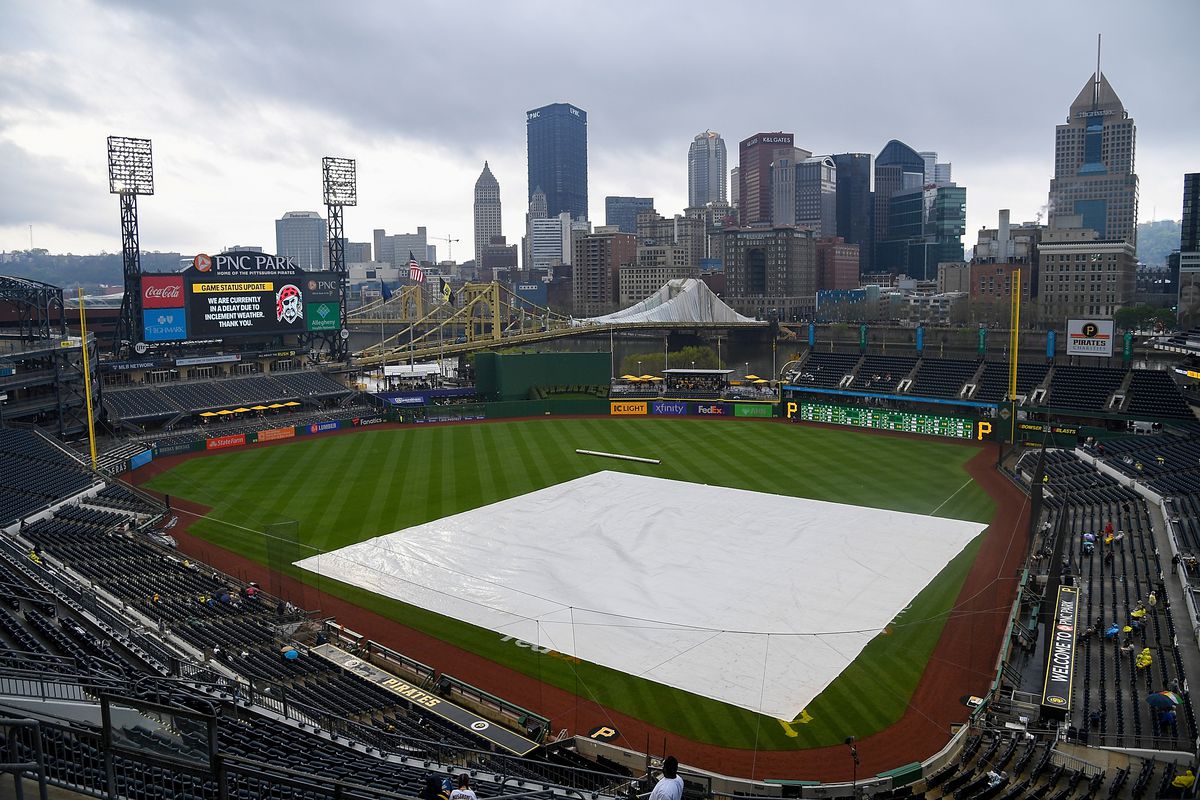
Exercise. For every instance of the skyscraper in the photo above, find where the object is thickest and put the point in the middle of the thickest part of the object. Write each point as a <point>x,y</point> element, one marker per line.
<point>301,235</point>
<point>1094,161</point>
<point>487,210</point>
<point>1187,261</point>
<point>855,206</point>
<point>623,211</point>
<point>755,156</point>
<point>816,195</point>
<point>898,168</point>
<point>557,141</point>
<point>707,169</point>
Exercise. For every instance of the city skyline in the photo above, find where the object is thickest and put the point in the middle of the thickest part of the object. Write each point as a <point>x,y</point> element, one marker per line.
<point>244,133</point>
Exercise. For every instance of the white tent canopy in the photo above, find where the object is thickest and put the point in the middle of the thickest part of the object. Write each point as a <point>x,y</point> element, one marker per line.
<point>679,300</point>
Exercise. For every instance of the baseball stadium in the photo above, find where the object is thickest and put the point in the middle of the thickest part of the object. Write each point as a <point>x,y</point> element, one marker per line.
<point>352,550</point>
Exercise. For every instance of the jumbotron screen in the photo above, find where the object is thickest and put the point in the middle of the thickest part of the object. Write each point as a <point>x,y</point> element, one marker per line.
<point>238,294</point>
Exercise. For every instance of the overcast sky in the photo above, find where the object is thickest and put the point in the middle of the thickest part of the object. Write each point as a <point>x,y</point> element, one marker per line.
<point>243,99</point>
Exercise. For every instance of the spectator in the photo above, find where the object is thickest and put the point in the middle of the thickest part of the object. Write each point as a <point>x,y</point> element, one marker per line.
<point>670,785</point>
<point>35,555</point>
<point>1152,600</point>
<point>463,792</point>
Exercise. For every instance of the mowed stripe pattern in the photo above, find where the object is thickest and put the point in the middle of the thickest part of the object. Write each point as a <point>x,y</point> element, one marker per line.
<point>344,489</point>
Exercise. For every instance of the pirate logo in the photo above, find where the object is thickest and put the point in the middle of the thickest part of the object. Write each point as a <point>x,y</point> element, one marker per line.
<point>288,304</point>
<point>1091,330</point>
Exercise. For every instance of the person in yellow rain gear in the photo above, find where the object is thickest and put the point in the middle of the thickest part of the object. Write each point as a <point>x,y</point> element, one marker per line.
<point>1108,539</point>
<point>1143,659</point>
<point>1184,781</point>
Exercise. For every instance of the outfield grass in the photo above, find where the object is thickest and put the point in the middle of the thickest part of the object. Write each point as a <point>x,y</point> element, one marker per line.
<point>344,489</point>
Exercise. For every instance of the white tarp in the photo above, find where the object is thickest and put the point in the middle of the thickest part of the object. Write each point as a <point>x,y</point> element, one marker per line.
<point>675,582</point>
<point>679,300</point>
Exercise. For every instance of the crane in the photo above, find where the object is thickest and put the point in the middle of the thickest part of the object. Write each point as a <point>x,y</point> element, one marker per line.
<point>449,245</point>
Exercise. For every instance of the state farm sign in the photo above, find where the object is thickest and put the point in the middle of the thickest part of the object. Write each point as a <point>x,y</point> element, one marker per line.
<point>162,291</point>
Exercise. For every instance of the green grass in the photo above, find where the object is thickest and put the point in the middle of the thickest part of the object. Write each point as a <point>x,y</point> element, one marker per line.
<point>345,489</point>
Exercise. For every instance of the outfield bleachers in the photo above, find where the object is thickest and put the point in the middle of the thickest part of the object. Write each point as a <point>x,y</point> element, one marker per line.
<point>825,370</point>
<point>147,403</point>
<point>993,383</point>
<point>942,377</point>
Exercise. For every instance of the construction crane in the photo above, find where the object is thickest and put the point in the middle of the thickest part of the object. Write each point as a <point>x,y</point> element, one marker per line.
<point>449,245</point>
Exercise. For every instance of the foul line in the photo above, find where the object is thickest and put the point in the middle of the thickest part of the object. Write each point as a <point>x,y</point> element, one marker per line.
<point>951,497</point>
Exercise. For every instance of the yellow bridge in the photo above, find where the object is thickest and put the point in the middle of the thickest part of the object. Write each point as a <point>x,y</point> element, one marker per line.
<point>480,316</point>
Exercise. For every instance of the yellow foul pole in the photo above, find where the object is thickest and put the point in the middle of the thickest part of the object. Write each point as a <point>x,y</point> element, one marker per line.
<point>1014,342</point>
<point>87,379</point>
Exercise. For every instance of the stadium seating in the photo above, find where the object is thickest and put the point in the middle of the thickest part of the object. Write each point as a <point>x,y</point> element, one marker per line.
<point>146,403</point>
<point>34,473</point>
<point>880,373</point>
<point>1083,388</point>
<point>942,377</point>
<point>825,370</point>
<point>1154,394</point>
<point>993,383</point>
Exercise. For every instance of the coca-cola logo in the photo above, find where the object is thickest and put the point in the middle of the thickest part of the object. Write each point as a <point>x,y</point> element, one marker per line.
<point>162,291</point>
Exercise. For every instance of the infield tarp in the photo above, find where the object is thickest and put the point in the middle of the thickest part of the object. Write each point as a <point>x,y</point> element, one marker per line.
<point>674,582</point>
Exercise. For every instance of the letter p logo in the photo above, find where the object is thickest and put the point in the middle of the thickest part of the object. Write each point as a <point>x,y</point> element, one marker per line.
<point>791,410</point>
<point>985,428</point>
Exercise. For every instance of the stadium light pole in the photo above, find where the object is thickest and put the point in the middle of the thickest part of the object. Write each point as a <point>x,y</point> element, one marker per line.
<point>340,182</point>
<point>130,173</point>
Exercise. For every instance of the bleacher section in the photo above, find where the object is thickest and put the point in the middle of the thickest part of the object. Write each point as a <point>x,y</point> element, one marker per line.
<point>1110,707</point>
<point>264,423</point>
<point>825,370</point>
<point>1154,394</point>
<point>33,474</point>
<point>169,400</point>
<point>993,384</point>
<point>1084,388</point>
<point>882,373</point>
<point>942,377</point>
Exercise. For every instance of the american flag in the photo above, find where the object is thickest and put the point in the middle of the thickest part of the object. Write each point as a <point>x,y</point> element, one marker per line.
<point>415,272</point>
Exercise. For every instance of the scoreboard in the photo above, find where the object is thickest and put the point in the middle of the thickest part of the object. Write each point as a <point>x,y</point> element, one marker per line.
<point>888,420</point>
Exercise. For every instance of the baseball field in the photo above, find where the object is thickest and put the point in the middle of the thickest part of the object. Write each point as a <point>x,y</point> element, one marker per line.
<point>333,491</point>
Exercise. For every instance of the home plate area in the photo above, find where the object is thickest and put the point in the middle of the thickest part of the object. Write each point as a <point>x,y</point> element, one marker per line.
<point>752,599</point>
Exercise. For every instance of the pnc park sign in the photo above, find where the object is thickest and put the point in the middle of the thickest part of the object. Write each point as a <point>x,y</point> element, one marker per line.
<point>1060,651</point>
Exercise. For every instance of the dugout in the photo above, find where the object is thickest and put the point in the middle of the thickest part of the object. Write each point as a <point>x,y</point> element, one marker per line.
<point>511,376</point>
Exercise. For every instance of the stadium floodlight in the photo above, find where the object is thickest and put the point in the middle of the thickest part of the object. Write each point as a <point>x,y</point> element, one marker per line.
<point>130,166</point>
<point>341,187</point>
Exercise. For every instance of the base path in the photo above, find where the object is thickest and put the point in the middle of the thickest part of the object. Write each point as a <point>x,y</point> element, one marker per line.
<point>963,662</point>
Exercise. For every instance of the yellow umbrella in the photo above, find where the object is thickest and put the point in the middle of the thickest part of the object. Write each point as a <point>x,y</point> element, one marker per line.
<point>208,413</point>
<point>762,380</point>
<point>291,403</point>
<point>753,378</point>
<point>629,377</point>
<point>647,377</point>
<point>654,378</point>
<point>275,405</point>
<point>240,410</point>
<point>224,411</point>
<point>259,408</point>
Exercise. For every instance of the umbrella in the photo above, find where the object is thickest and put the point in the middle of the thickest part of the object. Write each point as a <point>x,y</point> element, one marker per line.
<point>1162,700</point>
<point>1172,696</point>
<point>258,408</point>
<point>240,410</point>
<point>208,413</point>
<point>275,405</point>
<point>224,411</point>
<point>760,381</point>
<point>752,378</point>
<point>629,377</point>
<point>1089,537</point>
<point>647,377</point>
<point>291,403</point>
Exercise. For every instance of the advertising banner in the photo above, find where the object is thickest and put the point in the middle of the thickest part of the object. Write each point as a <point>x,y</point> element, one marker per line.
<point>621,409</point>
<point>753,410</point>
<point>364,421</point>
<point>982,342</point>
<point>178,447</point>
<point>1060,650</point>
<point>221,442</point>
<point>162,291</point>
<point>141,459</point>
<point>321,316</point>
<point>1089,337</point>
<point>321,427</point>
<point>276,433</point>
<point>712,410</point>
<point>164,325</point>
<point>674,408</point>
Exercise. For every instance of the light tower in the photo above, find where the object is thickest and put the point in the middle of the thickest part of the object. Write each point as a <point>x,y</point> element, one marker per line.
<point>341,189</point>
<point>130,173</point>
